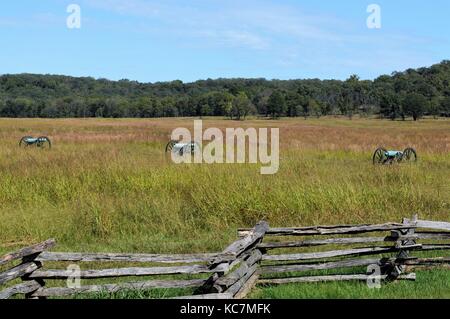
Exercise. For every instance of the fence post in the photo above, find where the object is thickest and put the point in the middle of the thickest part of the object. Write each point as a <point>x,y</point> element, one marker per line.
<point>28,265</point>
<point>26,277</point>
<point>404,254</point>
<point>243,253</point>
<point>41,282</point>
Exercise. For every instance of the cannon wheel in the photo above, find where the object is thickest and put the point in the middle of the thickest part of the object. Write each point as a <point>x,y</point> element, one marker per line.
<point>44,142</point>
<point>170,145</point>
<point>409,155</point>
<point>379,157</point>
<point>22,142</point>
<point>190,148</point>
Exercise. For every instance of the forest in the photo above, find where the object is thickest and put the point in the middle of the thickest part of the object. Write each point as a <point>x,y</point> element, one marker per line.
<point>413,93</point>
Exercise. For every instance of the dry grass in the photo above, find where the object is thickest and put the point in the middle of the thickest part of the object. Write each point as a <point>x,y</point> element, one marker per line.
<point>107,185</point>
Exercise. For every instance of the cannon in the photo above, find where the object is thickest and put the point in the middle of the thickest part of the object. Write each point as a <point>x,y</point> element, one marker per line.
<point>385,157</point>
<point>180,148</point>
<point>40,142</point>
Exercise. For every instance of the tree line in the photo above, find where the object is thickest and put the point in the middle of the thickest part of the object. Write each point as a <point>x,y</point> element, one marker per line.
<point>412,93</point>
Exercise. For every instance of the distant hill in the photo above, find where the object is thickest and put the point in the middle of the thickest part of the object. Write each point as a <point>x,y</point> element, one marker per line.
<point>414,92</point>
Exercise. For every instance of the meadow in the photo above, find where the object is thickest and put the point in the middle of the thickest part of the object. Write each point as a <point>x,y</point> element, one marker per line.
<point>107,185</point>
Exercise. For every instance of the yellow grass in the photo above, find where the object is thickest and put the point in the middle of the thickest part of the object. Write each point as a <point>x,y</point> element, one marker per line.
<point>107,185</point>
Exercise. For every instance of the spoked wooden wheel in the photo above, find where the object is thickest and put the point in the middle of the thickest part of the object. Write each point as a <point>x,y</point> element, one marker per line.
<point>188,149</point>
<point>44,143</point>
<point>380,157</point>
<point>409,155</point>
<point>23,141</point>
<point>170,146</point>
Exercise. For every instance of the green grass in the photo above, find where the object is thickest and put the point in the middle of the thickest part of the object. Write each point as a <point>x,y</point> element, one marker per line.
<point>428,285</point>
<point>198,208</point>
<point>107,185</point>
<point>138,294</point>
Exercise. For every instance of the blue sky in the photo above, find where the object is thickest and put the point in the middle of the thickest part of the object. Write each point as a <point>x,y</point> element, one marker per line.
<point>163,40</point>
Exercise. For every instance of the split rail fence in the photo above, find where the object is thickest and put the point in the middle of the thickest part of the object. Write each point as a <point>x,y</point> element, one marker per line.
<point>251,260</point>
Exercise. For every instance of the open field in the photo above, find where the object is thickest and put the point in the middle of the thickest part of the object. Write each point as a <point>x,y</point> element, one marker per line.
<point>107,185</point>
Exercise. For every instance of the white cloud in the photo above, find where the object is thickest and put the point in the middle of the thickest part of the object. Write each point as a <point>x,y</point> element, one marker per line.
<point>236,38</point>
<point>250,24</point>
<point>292,37</point>
<point>135,7</point>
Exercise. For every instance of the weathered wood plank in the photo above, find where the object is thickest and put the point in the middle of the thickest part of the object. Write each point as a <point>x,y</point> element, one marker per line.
<point>240,230</point>
<point>247,287</point>
<point>332,241</point>
<point>124,272</point>
<point>402,246</point>
<point>332,230</point>
<point>433,235</point>
<point>255,257</point>
<point>337,253</point>
<point>312,279</point>
<point>436,247</point>
<point>336,231</point>
<point>238,247</point>
<point>237,286</point>
<point>224,282</point>
<point>24,252</point>
<point>433,225</point>
<point>18,272</point>
<point>231,278</point>
<point>106,257</point>
<point>209,286</point>
<point>428,261</point>
<point>23,288</point>
<point>427,267</point>
<point>328,265</point>
<point>111,288</point>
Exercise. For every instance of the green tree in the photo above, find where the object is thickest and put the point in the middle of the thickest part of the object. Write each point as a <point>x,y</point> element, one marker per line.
<point>414,105</point>
<point>390,105</point>
<point>351,96</point>
<point>31,95</point>
<point>228,109</point>
<point>241,106</point>
<point>314,108</point>
<point>445,106</point>
<point>294,104</point>
<point>277,104</point>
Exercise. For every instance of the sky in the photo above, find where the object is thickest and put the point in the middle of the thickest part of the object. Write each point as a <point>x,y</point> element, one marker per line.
<point>165,40</point>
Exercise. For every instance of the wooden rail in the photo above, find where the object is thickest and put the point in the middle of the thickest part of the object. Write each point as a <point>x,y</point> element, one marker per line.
<point>253,259</point>
<point>142,258</point>
<point>28,264</point>
<point>332,230</point>
<point>28,251</point>
<point>110,288</point>
<point>403,236</point>
<point>358,277</point>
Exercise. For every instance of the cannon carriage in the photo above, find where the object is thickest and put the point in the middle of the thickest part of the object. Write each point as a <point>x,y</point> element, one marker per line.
<point>385,157</point>
<point>42,142</point>
<point>180,148</point>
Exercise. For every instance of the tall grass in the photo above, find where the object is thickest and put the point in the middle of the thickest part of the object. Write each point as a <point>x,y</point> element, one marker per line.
<point>107,185</point>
